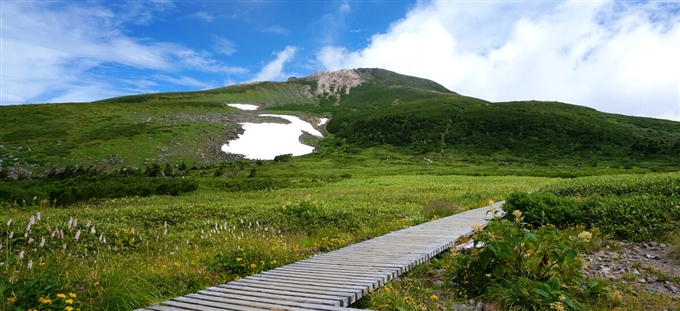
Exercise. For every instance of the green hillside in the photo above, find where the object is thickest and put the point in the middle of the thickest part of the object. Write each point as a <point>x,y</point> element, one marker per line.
<point>400,114</point>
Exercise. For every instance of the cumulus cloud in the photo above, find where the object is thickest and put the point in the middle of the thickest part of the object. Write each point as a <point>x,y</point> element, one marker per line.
<point>274,69</point>
<point>614,57</point>
<point>56,52</point>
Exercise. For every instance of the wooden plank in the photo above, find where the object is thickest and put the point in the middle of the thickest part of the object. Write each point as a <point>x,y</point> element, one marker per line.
<point>287,281</point>
<point>205,305</point>
<point>318,279</point>
<point>257,294</point>
<point>354,295</point>
<point>329,273</point>
<point>274,301</point>
<point>342,300</point>
<point>259,304</point>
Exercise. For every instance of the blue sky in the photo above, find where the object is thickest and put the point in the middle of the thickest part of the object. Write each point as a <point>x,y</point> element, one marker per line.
<point>619,57</point>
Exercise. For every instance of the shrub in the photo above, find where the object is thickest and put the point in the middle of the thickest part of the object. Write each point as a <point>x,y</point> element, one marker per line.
<point>524,269</point>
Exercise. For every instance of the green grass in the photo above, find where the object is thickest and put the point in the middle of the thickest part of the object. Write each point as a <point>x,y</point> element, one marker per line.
<point>269,228</point>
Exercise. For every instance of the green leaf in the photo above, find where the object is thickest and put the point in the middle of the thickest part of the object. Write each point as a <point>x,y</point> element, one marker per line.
<point>541,292</point>
<point>571,254</point>
<point>506,252</point>
<point>485,258</point>
<point>498,271</point>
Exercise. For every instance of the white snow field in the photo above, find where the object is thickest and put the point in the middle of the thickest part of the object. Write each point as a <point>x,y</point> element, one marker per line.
<point>267,140</point>
<point>244,106</point>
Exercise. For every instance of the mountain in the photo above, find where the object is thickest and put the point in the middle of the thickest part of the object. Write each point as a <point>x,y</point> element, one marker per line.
<point>369,108</point>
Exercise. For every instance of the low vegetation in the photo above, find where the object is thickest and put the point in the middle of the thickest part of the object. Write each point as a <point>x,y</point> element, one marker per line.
<point>523,261</point>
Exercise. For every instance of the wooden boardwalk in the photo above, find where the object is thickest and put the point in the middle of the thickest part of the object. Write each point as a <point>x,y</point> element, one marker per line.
<point>332,281</point>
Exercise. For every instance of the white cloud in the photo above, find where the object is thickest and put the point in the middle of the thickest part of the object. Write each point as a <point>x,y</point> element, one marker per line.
<point>614,57</point>
<point>345,8</point>
<point>50,52</point>
<point>203,16</point>
<point>277,30</point>
<point>274,69</point>
<point>224,46</point>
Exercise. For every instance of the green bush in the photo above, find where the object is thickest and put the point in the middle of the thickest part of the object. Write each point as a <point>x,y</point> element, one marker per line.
<point>546,208</point>
<point>524,269</point>
<point>636,208</point>
<point>62,192</point>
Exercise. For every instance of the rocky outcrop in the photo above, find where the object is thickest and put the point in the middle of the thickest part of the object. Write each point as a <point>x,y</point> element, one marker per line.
<point>333,83</point>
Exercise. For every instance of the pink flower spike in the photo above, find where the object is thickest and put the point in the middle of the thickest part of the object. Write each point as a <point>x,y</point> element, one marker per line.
<point>21,255</point>
<point>37,216</point>
<point>42,242</point>
<point>77,235</point>
<point>9,222</point>
<point>30,264</point>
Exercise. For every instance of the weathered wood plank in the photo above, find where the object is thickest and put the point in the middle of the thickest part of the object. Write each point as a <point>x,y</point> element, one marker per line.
<point>343,300</point>
<point>284,298</point>
<point>274,301</point>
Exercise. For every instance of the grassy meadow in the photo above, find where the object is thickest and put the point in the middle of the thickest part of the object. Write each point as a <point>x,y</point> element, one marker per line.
<point>118,254</point>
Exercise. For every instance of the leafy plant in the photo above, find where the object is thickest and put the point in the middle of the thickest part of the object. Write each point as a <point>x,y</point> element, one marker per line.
<point>524,269</point>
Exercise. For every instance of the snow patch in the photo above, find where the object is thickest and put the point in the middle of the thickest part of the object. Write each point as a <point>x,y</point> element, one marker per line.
<point>323,121</point>
<point>244,106</point>
<point>267,140</point>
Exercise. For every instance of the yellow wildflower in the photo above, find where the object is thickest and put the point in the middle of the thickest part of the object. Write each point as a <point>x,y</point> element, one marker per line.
<point>253,266</point>
<point>557,306</point>
<point>239,259</point>
<point>434,297</point>
<point>69,301</point>
<point>273,262</point>
<point>477,227</point>
<point>518,216</point>
<point>68,308</point>
<point>73,295</point>
<point>11,300</point>
<point>62,296</point>
<point>176,264</point>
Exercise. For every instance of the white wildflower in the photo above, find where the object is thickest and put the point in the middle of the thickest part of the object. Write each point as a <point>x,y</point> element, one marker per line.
<point>70,223</point>
<point>11,234</point>
<point>585,236</point>
<point>30,264</point>
<point>89,223</point>
<point>37,217</point>
<point>132,229</point>
<point>42,242</point>
<point>30,240</point>
<point>9,222</point>
<point>77,235</point>
<point>21,255</point>
<point>92,230</point>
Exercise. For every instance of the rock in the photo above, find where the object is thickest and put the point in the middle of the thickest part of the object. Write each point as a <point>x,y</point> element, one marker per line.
<point>652,289</point>
<point>642,280</point>
<point>479,306</point>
